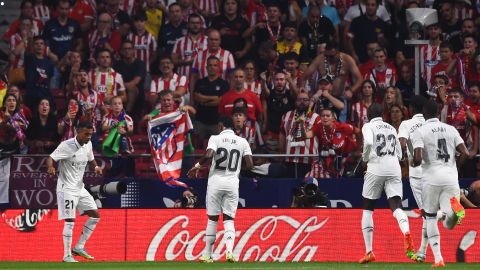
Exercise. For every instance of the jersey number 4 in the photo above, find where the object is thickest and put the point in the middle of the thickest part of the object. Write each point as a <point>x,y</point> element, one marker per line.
<point>442,152</point>
<point>233,159</point>
<point>386,145</point>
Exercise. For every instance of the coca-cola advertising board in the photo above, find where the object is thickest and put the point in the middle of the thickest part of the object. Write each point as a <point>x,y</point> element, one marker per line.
<point>261,235</point>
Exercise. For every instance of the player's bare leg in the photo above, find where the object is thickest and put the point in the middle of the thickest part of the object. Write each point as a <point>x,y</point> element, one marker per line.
<point>90,224</point>
<point>210,237</point>
<point>229,236</point>
<point>367,230</point>
<point>434,238</point>
<point>395,204</point>
<point>67,240</point>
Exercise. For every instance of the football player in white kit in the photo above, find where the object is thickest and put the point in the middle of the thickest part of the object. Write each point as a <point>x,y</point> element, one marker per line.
<point>405,131</point>
<point>381,152</point>
<point>227,151</point>
<point>435,144</point>
<point>72,156</point>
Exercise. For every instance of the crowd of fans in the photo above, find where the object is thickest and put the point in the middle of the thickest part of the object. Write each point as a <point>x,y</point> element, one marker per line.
<point>120,63</point>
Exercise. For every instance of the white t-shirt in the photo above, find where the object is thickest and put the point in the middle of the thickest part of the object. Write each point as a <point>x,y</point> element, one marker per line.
<point>405,130</point>
<point>227,161</point>
<point>354,12</point>
<point>381,148</point>
<point>72,159</point>
<point>439,142</point>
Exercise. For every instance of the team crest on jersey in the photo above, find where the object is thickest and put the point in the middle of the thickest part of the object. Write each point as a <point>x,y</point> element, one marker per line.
<point>70,29</point>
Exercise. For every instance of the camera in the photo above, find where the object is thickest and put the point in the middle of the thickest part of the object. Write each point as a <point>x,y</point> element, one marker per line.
<point>108,189</point>
<point>309,196</point>
<point>420,18</point>
<point>189,201</point>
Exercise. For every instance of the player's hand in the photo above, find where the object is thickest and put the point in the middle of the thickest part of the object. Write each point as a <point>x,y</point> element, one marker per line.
<point>98,170</point>
<point>193,172</point>
<point>51,171</point>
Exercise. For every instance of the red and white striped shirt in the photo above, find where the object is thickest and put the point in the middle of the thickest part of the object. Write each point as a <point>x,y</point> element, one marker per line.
<point>91,101</point>
<point>295,144</point>
<point>255,87</point>
<point>160,84</point>
<point>359,114</point>
<point>145,45</point>
<point>19,60</point>
<point>382,79</point>
<point>106,83</point>
<point>128,6</point>
<point>227,63</point>
<point>429,57</point>
<point>188,49</point>
<point>41,12</point>
<point>208,6</point>
<point>248,133</point>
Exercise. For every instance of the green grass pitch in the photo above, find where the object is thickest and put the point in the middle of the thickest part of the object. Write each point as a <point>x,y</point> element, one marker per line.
<point>228,266</point>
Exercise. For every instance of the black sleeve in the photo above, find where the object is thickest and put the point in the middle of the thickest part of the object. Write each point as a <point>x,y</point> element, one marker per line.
<point>141,70</point>
<point>198,87</point>
<point>224,87</point>
<point>215,24</point>
<point>302,30</point>
<point>77,30</point>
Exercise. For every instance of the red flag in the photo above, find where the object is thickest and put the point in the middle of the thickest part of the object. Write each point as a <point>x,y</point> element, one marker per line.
<point>167,134</point>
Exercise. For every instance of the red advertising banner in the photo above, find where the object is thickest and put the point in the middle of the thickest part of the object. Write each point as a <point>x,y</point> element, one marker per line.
<point>262,235</point>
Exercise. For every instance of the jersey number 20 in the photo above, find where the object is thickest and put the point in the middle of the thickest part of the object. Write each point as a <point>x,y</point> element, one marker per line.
<point>233,159</point>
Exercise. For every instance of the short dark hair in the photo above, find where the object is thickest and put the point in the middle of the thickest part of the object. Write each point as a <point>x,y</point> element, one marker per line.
<point>291,56</point>
<point>446,44</point>
<point>239,110</point>
<point>85,124</point>
<point>140,16</point>
<point>102,50</point>
<point>227,122</point>
<point>290,24</point>
<point>457,90</point>
<point>331,44</point>
<point>430,109</point>
<point>194,15</point>
<point>212,57</point>
<point>416,104</point>
<point>35,38</point>
<point>375,110</point>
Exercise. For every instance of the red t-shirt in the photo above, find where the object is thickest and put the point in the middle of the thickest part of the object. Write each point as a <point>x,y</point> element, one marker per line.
<point>253,103</point>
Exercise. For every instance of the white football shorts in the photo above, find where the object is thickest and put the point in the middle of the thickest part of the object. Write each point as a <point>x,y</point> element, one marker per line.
<point>416,184</point>
<point>219,201</point>
<point>374,185</point>
<point>438,197</point>
<point>68,203</point>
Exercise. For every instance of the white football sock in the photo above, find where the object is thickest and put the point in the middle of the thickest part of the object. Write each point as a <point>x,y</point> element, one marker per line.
<point>450,220</point>
<point>210,236</point>
<point>424,243</point>
<point>434,238</point>
<point>229,234</point>
<point>367,229</point>
<point>67,238</point>
<point>87,231</point>
<point>402,220</point>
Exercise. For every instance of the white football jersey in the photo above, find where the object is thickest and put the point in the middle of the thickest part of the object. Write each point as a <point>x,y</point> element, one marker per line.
<point>381,148</point>
<point>72,159</point>
<point>439,142</point>
<point>405,130</point>
<point>227,161</point>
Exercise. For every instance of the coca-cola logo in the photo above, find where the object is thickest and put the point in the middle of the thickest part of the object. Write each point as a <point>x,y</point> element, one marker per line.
<point>184,245</point>
<point>21,219</point>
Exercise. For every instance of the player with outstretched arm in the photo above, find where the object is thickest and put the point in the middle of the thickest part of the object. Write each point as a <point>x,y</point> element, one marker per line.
<point>72,156</point>
<point>435,144</point>
<point>227,151</point>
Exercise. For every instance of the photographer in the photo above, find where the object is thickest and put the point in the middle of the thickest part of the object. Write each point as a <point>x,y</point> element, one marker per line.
<point>308,195</point>
<point>189,199</point>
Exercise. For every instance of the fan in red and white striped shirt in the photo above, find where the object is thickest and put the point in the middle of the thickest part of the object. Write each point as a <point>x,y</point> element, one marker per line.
<point>18,53</point>
<point>295,144</point>
<point>187,47</point>
<point>208,7</point>
<point>248,132</point>
<point>169,80</point>
<point>41,12</point>
<point>105,80</point>
<point>382,75</point>
<point>429,57</point>
<point>144,43</point>
<point>227,62</point>
<point>251,84</point>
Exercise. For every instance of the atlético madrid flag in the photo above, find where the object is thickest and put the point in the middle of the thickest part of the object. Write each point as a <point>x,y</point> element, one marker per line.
<point>167,133</point>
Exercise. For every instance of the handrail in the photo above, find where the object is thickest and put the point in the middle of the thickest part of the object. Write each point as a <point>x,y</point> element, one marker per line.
<point>187,155</point>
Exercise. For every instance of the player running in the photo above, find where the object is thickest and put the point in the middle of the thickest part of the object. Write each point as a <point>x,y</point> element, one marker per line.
<point>435,144</point>
<point>72,156</point>
<point>405,131</point>
<point>227,151</point>
<point>381,152</point>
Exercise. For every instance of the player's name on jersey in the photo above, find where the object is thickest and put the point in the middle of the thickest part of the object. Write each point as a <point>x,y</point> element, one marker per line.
<point>382,126</point>
<point>438,129</point>
<point>231,141</point>
<point>415,127</point>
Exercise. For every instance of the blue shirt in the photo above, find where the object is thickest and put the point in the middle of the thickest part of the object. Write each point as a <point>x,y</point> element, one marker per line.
<point>38,73</point>
<point>61,39</point>
<point>327,11</point>
<point>169,35</point>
